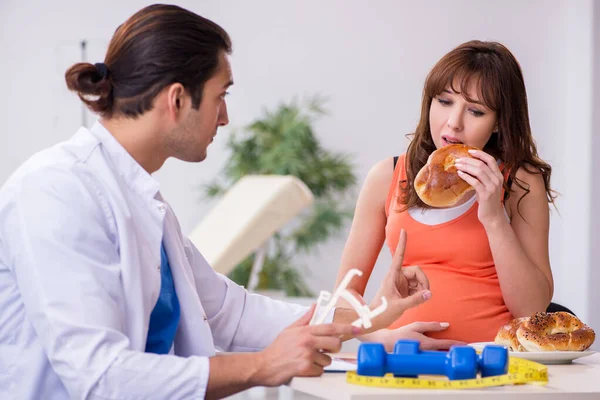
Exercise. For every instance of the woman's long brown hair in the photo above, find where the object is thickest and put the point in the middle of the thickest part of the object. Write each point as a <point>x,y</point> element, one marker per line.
<point>502,89</point>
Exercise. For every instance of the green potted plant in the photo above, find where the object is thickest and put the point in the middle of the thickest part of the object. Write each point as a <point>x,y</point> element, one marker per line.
<point>283,142</point>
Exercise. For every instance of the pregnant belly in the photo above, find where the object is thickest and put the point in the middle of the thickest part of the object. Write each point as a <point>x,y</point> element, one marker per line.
<point>473,306</point>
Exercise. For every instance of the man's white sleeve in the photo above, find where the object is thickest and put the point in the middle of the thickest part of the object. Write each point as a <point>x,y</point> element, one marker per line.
<point>239,320</point>
<point>66,262</point>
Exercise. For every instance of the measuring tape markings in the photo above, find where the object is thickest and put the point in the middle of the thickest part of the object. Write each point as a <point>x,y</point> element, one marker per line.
<point>520,371</point>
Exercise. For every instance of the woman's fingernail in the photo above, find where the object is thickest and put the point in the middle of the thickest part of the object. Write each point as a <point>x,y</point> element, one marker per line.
<point>444,324</point>
<point>427,295</point>
<point>355,330</point>
<point>472,151</point>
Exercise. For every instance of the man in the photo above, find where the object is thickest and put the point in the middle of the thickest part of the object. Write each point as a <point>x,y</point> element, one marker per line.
<point>101,296</point>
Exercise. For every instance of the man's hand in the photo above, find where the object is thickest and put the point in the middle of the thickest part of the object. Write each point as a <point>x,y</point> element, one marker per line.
<point>299,351</point>
<point>403,288</point>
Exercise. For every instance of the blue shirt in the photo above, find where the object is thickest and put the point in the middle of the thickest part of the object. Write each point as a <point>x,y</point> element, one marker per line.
<point>165,316</point>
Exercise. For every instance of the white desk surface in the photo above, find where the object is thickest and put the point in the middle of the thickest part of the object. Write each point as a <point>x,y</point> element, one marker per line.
<point>579,380</point>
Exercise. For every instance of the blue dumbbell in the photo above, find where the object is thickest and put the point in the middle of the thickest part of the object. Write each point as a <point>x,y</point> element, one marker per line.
<point>407,360</point>
<point>492,361</point>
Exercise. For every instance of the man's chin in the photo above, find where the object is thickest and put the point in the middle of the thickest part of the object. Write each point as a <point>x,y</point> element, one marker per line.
<point>194,158</point>
<point>201,157</point>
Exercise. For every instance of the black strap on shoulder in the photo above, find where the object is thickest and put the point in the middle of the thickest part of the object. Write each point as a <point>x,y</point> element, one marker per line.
<point>395,162</point>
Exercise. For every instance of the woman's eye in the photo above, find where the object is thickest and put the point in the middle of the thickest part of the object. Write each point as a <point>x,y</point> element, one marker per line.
<point>444,102</point>
<point>477,113</point>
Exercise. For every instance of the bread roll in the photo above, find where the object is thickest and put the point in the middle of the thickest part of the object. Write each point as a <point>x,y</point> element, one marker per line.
<point>558,331</point>
<point>438,183</point>
<point>507,335</point>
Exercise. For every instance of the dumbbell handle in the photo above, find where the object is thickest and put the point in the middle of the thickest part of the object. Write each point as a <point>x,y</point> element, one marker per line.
<point>418,364</point>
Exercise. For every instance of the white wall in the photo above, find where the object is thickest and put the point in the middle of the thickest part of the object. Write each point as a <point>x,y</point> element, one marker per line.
<point>594,276</point>
<point>369,58</point>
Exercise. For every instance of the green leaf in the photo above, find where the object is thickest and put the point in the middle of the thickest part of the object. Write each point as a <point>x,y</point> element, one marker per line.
<point>212,190</point>
<point>327,219</point>
<point>241,273</point>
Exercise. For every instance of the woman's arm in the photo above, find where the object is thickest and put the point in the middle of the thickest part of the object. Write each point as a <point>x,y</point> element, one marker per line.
<point>367,233</point>
<point>519,247</point>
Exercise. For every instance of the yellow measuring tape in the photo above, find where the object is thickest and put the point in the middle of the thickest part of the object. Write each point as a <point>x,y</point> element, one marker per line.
<point>520,371</point>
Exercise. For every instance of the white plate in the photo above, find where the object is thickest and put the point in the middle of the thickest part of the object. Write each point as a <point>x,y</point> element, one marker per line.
<point>544,357</point>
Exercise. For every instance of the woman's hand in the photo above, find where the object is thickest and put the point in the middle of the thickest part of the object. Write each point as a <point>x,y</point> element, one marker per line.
<point>402,287</point>
<point>414,331</point>
<point>483,174</point>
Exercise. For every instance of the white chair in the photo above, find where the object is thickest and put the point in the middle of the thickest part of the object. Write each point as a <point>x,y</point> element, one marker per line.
<point>244,219</point>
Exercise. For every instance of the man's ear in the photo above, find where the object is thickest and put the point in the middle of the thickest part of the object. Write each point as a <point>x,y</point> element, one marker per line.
<point>176,98</point>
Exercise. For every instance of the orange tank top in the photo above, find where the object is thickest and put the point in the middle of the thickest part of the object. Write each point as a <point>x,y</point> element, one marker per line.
<point>457,259</point>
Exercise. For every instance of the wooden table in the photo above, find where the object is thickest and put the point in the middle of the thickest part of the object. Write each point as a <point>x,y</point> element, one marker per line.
<point>579,380</point>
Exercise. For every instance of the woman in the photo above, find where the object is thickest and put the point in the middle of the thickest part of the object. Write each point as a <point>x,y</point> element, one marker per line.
<point>486,257</point>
